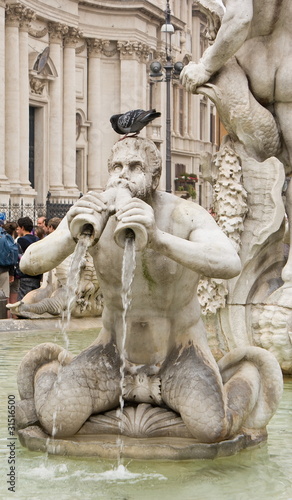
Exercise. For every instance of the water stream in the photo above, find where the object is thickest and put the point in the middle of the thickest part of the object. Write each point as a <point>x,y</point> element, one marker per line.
<point>128,271</point>
<point>72,285</point>
<point>73,281</point>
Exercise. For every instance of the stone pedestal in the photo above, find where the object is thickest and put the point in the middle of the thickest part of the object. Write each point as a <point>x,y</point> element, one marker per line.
<point>115,447</point>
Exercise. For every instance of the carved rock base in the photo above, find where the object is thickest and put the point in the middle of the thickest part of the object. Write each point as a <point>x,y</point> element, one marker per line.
<point>114,447</point>
<point>94,439</point>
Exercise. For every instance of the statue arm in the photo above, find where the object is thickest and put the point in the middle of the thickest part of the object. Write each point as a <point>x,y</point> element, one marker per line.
<point>207,251</point>
<point>231,35</point>
<point>49,252</point>
<point>46,254</point>
<point>233,32</point>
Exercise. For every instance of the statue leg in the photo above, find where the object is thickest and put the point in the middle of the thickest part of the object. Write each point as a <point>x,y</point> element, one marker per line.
<point>287,269</point>
<point>283,111</point>
<point>65,395</point>
<point>216,407</point>
<point>239,366</point>
<point>193,387</point>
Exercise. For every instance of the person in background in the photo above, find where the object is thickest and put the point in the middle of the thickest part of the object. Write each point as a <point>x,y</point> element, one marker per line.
<point>43,223</point>
<point>25,238</point>
<point>39,232</point>
<point>53,224</point>
<point>14,284</point>
<point>6,273</point>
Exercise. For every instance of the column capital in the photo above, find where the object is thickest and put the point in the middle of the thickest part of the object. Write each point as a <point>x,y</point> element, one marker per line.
<point>27,17</point>
<point>72,37</point>
<point>57,31</point>
<point>99,46</point>
<point>160,55</point>
<point>19,15</point>
<point>133,50</point>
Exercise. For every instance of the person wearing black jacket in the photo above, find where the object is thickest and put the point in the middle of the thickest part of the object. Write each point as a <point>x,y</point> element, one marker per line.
<point>26,238</point>
<point>6,273</point>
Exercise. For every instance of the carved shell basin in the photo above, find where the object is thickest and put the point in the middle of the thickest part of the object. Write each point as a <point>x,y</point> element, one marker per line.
<point>148,433</point>
<point>143,420</point>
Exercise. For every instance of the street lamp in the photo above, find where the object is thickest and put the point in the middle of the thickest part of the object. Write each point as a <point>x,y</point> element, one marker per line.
<point>171,71</point>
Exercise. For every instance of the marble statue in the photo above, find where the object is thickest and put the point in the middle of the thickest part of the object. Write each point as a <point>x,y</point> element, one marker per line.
<point>247,73</point>
<point>51,298</point>
<point>171,379</point>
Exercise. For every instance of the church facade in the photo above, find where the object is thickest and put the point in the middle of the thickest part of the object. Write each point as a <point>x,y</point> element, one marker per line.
<point>66,66</point>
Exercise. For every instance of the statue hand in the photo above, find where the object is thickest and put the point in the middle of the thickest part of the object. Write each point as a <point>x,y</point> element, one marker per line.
<point>193,75</point>
<point>91,203</point>
<point>137,211</point>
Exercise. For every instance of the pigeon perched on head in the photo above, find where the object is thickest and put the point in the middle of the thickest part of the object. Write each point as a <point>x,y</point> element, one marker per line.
<point>133,121</point>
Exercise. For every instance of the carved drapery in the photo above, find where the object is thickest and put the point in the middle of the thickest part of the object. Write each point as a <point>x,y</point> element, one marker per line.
<point>81,48</point>
<point>38,33</point>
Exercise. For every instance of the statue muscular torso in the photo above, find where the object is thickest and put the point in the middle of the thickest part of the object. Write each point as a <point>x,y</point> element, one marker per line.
<point>266,55</point>
<point>266,58</point>
<point>164,331</point>
<point>164,308</point>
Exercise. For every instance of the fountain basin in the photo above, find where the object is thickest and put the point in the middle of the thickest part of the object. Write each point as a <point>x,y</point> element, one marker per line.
<point>111,446</point>
<point>258,472</point>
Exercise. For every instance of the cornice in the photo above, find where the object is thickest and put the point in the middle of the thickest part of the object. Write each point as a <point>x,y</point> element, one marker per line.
<point>139,7</point>
<point>46,12</point>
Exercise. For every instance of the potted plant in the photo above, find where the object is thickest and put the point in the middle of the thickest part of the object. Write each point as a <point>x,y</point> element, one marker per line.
<point>186,181</point>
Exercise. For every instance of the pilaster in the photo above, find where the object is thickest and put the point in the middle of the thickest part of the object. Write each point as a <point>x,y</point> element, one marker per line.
<point>56,32</point>
<point>132,56</point>
<point>69,110</point>
<point>12,96</point>
<point>95,49</point>
<point>27,16</point>
<point>4,183</point>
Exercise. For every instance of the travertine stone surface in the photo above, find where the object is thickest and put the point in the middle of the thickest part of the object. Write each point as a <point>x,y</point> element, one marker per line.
<point>251,88</point>
<point>52,297</point>
<point>161,360</point>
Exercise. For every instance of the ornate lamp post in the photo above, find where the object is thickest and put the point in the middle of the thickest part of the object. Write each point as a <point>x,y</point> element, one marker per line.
<point>171,71</point>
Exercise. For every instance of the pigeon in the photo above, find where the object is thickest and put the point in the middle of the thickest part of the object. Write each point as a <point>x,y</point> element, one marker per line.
<point>133,121</point>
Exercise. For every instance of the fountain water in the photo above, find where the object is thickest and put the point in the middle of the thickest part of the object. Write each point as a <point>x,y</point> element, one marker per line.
<point>262,472</point>
<point>128,270</point>
<point>73,279</point>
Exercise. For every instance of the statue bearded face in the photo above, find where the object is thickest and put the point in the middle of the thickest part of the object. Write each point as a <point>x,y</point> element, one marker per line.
<point>131,168</point>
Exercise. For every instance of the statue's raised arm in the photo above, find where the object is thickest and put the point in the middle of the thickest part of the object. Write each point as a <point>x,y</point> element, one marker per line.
<point>235,27</point>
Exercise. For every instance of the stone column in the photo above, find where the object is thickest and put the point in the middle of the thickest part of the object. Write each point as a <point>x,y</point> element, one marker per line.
<point>69,111</point>
<point>27,16</point>
<point>4,184</point>
<point>57,31</point>
<point>94,106</point>
<point>133,76</point>
<point>12,96</point>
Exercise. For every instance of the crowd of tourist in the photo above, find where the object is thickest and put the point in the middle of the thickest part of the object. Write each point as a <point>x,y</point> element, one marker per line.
<point>13,282</point>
